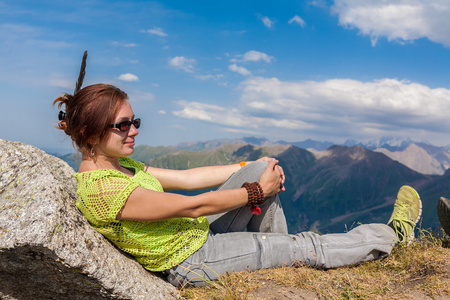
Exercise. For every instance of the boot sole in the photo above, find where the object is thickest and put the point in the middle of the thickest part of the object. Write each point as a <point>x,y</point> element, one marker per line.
<point>443,211</point>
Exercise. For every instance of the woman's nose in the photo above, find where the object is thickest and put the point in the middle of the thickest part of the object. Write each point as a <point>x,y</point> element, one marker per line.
<point>133,130</point>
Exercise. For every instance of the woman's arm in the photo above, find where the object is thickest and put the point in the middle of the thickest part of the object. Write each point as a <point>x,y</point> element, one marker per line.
<point>148,205</point>
<point>193,179</point>
<point>196,178</point>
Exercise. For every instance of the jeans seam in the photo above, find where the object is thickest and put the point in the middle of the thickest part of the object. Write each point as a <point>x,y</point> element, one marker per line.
<point>230,224</point>
<point>258,253</point>
<point>271,214</point>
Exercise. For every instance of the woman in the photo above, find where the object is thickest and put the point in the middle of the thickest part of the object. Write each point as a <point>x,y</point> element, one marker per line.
<point>195,239</point>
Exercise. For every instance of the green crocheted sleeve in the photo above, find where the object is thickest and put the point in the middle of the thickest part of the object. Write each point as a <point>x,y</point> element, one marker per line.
<point>102,194</point>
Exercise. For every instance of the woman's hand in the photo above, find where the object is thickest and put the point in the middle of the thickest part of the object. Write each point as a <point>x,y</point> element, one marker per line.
<point>272,179</point>
<point>265,158</point>
<point>280,170</point>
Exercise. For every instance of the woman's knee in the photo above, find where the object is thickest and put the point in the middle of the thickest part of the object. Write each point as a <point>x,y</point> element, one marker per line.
<point>256,167</point>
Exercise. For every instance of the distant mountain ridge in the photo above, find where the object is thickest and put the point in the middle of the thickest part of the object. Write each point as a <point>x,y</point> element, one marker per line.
<point>423,157</point>
<point>388,142</point>
<point>208,145</point>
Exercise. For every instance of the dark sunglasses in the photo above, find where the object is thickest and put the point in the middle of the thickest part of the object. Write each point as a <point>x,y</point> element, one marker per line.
<point>126,125</point>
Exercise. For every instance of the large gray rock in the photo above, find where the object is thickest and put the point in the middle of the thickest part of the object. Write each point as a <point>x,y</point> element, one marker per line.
<point>48,250</point>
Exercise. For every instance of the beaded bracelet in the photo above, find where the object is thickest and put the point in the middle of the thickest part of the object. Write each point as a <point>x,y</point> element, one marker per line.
<point>255,196</point>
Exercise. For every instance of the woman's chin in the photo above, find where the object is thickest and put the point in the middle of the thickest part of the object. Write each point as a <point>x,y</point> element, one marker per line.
<point>128,150</point>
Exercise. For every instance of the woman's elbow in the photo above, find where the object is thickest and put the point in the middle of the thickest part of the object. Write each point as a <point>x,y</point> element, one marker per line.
<point>198,206</point>
<point>194,213</point>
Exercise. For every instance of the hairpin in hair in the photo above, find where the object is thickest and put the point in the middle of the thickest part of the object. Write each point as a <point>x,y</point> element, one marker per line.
<point>82,73</point>
<point>61,115</point>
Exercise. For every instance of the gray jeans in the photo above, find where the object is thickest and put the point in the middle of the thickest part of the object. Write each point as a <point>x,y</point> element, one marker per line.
<point>239,240</point>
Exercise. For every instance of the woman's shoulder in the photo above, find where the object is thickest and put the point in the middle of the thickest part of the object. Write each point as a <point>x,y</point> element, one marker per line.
<point>128,162</point>
<point>90,173</point>
<point>97,174</point>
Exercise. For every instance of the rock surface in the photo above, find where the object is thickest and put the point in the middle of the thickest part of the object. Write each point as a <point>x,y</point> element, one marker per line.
<point>48,250</point>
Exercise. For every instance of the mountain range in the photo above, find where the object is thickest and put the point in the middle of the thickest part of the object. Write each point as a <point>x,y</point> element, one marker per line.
<point>327,190</point>
<point>417,155</point>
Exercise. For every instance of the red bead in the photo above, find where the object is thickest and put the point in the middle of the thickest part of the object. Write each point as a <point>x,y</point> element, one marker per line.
<point>256,210</point>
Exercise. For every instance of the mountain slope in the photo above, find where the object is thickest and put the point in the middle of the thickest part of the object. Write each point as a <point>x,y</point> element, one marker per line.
<point>146,153</point>
<point>226,154</point>
<point>344,186</point>
<point>417,158</point>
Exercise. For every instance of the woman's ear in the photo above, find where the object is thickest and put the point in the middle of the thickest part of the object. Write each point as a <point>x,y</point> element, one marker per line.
<point>92,140</point>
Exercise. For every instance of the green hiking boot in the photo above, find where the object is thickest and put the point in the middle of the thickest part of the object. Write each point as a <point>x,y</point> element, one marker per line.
<point>406,214</point>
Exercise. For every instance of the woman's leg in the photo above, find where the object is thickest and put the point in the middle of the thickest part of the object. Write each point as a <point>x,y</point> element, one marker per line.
<point>271,219</point>
<point>241,251</point>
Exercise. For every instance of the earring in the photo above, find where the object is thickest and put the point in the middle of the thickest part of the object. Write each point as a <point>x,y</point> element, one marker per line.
<point>92,151</point>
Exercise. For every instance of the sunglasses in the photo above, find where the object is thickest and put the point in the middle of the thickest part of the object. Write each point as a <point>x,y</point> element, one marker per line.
<point>126,125</point>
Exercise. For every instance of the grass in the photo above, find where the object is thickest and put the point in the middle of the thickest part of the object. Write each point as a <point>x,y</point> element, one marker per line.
<point>418,271</point>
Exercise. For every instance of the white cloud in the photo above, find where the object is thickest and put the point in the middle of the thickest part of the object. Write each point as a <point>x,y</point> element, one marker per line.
<point>240,70</point>
<point>253,55</point>
<point>128,77</point>
<point>64,83</point>
<point>243,131</point>
<point>198,111</point>
<point>156,31</point>
<point>210,76</point>
<point>232,117</point>
<point>140,96</point>
<point>183,63</point>
<point>297,20</point>
<point>318,3</point>
<point>162,112</point>
<point>125,45</point>
<point>336,108</point>
<point>399,20</point>
<point>386,104</point>
<point>267,22</point>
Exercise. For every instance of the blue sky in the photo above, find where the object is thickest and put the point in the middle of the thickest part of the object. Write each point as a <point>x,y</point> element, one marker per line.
<point>202,70</point>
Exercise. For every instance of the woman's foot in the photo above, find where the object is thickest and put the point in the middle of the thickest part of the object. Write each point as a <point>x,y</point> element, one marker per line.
<point>406,214</point>
<point>443,211</point>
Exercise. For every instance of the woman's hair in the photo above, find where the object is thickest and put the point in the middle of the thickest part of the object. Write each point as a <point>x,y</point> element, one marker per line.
<point>89,113</point>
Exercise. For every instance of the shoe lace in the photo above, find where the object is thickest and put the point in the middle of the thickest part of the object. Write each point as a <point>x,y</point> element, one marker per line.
<point>400,218</point>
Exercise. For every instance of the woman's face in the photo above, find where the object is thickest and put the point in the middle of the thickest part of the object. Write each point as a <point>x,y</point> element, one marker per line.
<point>119,143</point>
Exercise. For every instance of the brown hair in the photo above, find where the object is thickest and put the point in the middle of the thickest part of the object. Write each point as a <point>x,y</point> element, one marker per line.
<point>89,113</point>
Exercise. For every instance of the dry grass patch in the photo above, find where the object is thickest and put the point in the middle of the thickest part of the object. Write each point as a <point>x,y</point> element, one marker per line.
<point>418,271</point>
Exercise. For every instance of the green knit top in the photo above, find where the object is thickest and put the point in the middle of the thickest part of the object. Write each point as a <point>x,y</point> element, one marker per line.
<point>158,245</point>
